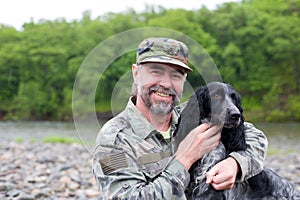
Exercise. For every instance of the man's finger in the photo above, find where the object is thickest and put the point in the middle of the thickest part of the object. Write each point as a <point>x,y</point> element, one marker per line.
<point>210,175</point>
<point>209,178</point>
<point>222,186</point>
<point>220,178</point>
<point>213,130</point>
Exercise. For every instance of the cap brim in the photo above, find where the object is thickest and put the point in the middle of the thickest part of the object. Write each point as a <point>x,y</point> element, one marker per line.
<point>167,60</point>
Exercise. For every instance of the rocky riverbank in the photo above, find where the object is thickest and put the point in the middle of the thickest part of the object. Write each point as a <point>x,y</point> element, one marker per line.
<point>63,171</point>
<point>46,171</point>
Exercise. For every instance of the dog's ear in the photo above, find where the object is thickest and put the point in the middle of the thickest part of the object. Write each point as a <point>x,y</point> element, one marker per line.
<point>238,103</point>
<point>204,103</point>
<point>234,138</point>
<point>188,120</point>
<point>237,99</point>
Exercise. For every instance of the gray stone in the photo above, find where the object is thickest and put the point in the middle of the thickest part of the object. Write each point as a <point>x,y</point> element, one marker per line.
<point>13,193</point>
<point>63,171</point>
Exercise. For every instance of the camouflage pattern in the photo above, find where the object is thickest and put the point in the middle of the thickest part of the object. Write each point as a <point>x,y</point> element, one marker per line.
<point>163,50</point>
<point>133,161</point>
<point>251,160</point>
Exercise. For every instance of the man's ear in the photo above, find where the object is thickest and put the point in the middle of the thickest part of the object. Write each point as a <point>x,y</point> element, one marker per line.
<point>134,70</point>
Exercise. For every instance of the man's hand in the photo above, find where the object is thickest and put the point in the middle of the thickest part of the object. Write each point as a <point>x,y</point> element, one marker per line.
<point>198,142</point>
<point>222,176</point>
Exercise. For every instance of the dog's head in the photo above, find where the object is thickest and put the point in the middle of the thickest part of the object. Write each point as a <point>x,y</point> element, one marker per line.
<point>219,103</point>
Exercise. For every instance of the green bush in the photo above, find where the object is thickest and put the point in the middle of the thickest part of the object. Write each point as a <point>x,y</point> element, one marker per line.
<point>293,106</point>
<point>276,115</point>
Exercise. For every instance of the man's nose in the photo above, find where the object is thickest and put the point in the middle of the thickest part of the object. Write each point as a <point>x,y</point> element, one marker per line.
<point>166,81</point>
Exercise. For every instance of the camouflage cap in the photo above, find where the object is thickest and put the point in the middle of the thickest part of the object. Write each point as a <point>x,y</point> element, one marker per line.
<point>164,50</point>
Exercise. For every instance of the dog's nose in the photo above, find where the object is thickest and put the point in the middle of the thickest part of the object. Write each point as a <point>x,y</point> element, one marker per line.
<point>235,116</point>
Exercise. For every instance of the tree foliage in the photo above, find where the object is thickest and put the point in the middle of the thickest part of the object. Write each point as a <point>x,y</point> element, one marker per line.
<point>255,45</point>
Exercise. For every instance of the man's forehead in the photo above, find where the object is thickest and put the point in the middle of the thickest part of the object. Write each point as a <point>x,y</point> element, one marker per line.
<point>164,66</point>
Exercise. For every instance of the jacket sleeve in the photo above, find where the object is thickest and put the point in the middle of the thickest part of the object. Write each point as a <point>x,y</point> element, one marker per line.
<point>120,175</point>
<point>251,160</point>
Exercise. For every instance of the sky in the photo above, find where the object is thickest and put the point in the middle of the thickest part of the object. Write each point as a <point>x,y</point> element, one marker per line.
<point>17,12</point>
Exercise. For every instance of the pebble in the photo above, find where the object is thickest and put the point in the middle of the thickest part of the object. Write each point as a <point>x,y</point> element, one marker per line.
<point>46,171</point>
<point>63,171</point>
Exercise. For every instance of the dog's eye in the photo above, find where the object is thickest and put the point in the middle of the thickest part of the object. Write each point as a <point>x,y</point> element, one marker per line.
<point>217,96</point>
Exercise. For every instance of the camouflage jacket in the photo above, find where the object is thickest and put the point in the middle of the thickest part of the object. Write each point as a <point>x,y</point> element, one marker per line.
<point>133,161</point>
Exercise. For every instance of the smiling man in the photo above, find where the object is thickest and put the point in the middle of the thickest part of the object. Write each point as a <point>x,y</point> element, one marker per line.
<point>134,156</point>
<point>160,88</point>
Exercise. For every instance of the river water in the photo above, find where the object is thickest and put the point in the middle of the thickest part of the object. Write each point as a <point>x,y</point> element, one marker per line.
<point>280,135</point>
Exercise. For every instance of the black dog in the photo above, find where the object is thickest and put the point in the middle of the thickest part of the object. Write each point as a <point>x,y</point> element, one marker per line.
<point>219,103</point>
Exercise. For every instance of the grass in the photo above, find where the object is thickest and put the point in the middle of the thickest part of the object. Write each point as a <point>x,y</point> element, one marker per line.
<point>19,140</point>
<point>53,139</point>
<point>60,139</point>
<point>50,139</point>
<point>273,151</point>
<point>276,151</point>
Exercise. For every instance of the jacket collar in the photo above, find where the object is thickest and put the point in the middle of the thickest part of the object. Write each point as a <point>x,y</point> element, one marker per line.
<point>140,125</point>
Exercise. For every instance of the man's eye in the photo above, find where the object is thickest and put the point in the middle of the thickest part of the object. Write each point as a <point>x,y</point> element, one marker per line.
<point>156,72</point>
<point>177,76</point>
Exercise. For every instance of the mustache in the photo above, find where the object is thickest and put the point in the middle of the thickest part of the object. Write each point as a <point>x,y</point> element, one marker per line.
<point>169,91</point>
<point>157,88</point>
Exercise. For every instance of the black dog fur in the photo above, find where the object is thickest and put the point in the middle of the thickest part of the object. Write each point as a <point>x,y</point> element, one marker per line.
<point>219,103</point>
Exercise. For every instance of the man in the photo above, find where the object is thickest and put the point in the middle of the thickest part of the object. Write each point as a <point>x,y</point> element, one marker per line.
<point>134,156</point>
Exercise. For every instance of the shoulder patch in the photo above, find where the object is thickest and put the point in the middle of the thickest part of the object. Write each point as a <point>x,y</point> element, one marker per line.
<point>113,162</point>
<point>153,157</point>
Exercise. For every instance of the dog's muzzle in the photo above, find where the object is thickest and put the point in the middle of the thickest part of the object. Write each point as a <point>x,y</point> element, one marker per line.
<point>233,117</point>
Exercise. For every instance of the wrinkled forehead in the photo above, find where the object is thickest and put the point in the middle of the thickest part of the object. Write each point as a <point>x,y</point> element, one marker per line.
<point>164,66</point>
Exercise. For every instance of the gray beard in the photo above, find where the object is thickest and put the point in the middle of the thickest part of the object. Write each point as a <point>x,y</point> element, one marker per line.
<point>160,108</point>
